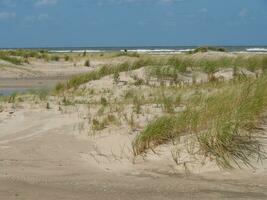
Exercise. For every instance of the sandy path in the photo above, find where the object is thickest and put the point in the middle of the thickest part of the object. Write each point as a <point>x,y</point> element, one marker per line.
<point>40,158</point>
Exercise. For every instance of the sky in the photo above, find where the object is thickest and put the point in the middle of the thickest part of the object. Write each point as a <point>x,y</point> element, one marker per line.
<point>93,23</point>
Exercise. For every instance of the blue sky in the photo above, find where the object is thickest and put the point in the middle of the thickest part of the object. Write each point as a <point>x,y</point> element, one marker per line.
<point>48,23</point>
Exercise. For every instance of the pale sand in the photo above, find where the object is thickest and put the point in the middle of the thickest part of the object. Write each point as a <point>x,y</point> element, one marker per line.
<point>42,156</point>
<point>47,154</point>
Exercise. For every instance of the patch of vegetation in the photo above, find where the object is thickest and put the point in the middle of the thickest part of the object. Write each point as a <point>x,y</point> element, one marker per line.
<point>222,121</point>
<point>67,58</point>
<point>11,59</point>
<point>170,68</point>
<point>98,125</point>
<point>28,53</point>
<point>104,71</point>
<point>87,63</point>
<point>116,77</point>
<point>42,94</point>
<point>12,97</point>
<point>55,58</point>
<point>67,102</point>
<point>129,54</point>
<point>103,101</point>
<point>138,81</point>
<point>208,48</point>
<point>137,104</point>
<point>180,64</point>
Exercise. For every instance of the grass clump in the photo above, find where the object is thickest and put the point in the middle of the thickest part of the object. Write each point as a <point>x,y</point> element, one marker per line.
<point>129,54</point>
<point>25,53</point>
<point>98,124</point>
<point>41,94</point>
<point>208,48</point>
<point>55,58</point>
<point>11,59</point>
<point>116,77</point>
<point>222,121</point>
<point>87,63</point>
<point>103,101</point>
<point>179,64</point>
<point>158,132</point>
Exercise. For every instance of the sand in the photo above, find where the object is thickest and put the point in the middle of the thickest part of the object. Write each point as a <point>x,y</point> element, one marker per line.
<point>48,154</point>
<point>42,156</point>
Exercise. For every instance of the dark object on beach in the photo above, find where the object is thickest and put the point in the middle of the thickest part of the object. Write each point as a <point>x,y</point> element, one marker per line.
<point>87,63</point>
<point>84,53</point>
<point>125,51</point>
<point>48,105</point>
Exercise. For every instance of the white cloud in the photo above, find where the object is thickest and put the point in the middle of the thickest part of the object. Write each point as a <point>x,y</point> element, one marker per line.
<point>45,2</point>
<point>7,15</point>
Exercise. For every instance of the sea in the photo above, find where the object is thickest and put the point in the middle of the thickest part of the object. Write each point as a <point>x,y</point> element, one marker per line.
<point>147,49</point>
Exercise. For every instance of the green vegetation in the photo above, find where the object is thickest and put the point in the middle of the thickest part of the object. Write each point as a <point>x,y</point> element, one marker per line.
<point>42,94</point>
<point>67,58</point>
<point>220,115</point>
<point>129,54</point>
<point>172,67</point>
<point>98,125</point>
<point>208,48</point>
<point>6,57</point>
<point>22,55</point>
<point>55,58</point>
<point>87,63</point>
<point>103,71</point>
<point>224,130</point>
<point>116,77</point>
<point>27,53</point>
<point>103,101</point>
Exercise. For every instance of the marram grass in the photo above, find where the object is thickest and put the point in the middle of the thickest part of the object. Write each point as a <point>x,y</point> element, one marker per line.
<point>222,121</point>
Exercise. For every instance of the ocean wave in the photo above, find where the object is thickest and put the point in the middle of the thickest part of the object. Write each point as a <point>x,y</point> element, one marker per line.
<point>158,50</point>
<point>77,51</point>
<point>256,49</point>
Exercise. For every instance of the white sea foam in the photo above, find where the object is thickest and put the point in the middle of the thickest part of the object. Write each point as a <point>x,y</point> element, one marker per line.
<point>257,49</point>
<point>77,51</point>
<point>159,51</point>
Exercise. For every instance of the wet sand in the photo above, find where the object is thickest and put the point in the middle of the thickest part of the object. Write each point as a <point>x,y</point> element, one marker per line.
<point>19,85</point>
<point>38,75</point>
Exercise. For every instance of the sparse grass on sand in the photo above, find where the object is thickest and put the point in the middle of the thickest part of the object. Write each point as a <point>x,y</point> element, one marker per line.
<point>168,67</point>
<point>104,71</point>
<point>222,122</point>
<point>11,59</point>
<point>220,115</point>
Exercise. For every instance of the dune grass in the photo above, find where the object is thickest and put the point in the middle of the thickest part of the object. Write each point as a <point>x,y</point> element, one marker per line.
<point>169,68</point>
<point>222,122</point>
<point>129,54</point>
<point>104,71</point>
<point>208,48</point>
<point>21,56</point>
<point>14,60</point>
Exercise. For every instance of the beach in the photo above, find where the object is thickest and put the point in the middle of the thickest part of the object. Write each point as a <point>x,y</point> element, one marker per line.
<point>70,131</point>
